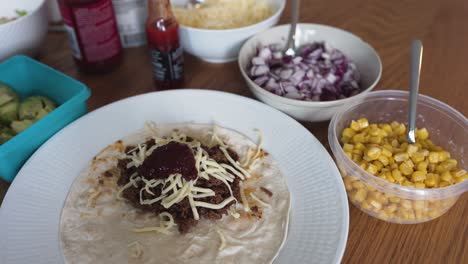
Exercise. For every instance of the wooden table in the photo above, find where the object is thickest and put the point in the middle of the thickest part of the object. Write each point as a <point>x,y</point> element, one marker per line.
<point>389,26</point>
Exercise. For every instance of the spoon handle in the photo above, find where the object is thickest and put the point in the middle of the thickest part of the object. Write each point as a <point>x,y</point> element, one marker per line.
<point>292,30</point>
<point>415,71</point>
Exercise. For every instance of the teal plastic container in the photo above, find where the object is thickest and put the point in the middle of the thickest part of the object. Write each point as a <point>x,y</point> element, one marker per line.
<point>29,77</point>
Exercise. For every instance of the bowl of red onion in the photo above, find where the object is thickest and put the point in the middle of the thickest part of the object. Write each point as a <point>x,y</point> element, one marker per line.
<point>332,68</point>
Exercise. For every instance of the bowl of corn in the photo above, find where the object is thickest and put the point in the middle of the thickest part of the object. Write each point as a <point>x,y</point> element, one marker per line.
<point>390,179</point>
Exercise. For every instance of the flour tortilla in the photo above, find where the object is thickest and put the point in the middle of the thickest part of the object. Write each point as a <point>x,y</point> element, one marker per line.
<point>96,227</point>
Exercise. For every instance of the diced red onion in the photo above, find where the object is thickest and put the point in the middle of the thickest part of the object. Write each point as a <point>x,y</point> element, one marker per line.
<point>318,73</point>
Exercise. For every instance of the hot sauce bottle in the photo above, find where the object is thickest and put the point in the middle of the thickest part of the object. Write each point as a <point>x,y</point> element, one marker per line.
<point>92,30</point>
<point>162,31</point>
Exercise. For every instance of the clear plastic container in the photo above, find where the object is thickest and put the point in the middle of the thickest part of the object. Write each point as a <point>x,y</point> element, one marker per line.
<point>392,202</point>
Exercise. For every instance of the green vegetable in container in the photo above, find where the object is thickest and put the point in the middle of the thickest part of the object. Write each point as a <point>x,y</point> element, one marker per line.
<point>8,112</point>
<point>35,107</point>
<point>20,125</point>
<point>6,134</point>
<point>7,94</point>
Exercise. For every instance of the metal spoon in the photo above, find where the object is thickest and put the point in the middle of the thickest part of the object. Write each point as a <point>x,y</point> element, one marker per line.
<point>194,3</point>
<point>291,45</point>
<point>415,71</point>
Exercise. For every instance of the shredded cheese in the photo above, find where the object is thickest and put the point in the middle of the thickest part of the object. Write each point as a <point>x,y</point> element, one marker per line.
<point>262,203</point>
<point>175,188</point>
<point>164,225</point>
<point>224,14</point>
<point>234,163</point>
<point>133,182</point>
<point>137,251</point>
<point>215,206</point>
<point>223,240</point>
<point>92,198</point>
<point>245,203</point>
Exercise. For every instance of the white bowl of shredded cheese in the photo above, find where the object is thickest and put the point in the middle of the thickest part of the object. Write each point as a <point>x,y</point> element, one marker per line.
<point>216,31</point>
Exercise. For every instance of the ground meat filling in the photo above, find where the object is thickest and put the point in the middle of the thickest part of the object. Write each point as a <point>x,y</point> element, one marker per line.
<point>182,212</point>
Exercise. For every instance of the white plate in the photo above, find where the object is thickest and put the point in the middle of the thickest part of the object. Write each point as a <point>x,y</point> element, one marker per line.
<point>29,217</point>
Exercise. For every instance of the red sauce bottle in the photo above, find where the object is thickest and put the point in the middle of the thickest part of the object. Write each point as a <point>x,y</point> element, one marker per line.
<point>92,29</point>
<point>162,32</point>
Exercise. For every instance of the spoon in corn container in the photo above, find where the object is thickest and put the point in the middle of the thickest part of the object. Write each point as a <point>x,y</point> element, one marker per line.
<point>415,71</point>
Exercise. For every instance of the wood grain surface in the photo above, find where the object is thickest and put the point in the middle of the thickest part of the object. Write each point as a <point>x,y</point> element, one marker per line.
<point>389,26</point>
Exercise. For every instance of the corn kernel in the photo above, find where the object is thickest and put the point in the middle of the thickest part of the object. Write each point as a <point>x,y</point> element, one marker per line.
<point>419,214</point>
<point>372,169</point>
<point>355,126</point>
<point>424,152</point>
<point>417,157</point>
<point>400,157</point>
<point>411,149</point>
<point>422,166</point>
<point>406,204</point>
<point>348,133</point>
<point>373,153</point>
<point>363,123</point>
<point>449,164</point>
<point>461,178</point>
<point>443,156</point>
<point>460,173</point>
<point>375,140</point>
<point>390,208</point>
<point>378,164</point>
<point>418,176</point>
<point>397,176</point>
<point>431,180</point>
<point>395,199</point>
<point>377,205</point>
<point>357,185</point>
<point>419,204</point>
<point>433,157</point>
<point>444,184</point>
<point>389,177</point>
<point>446,176</point>
<point>360,195</point>
<point>422,134</point>
<point>359,138</point>
<point>349,154</point>
<point>401,130</point>
<point>360,146</point>
<point>434,213</point>
<point>357,158</point>
<point>431,167</point>
<point>405,169</point>
<point>348,147</point>
<point>382,215</point>
<point>407,183</point>
<point>419,185</point>
<point>384,160</point>
<point>365,205</point>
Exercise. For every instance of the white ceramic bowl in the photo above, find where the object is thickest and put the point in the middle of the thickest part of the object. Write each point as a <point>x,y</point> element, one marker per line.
<point>25,34</point>
<point>361,53</point>
<point>219,46</point>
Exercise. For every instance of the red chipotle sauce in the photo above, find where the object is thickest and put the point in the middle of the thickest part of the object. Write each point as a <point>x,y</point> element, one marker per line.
<point>162,31</point>
<point>92,30</point>
<point>168,159</point>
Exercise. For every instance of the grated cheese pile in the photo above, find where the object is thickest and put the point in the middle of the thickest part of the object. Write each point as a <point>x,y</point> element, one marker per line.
<point>175,188</point>
<point>224,14</point>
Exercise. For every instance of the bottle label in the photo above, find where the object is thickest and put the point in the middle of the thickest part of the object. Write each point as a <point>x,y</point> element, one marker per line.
<point>68,25</point>
<point>95,28</point>
<point>167,66</point>
<point>131,15</point>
